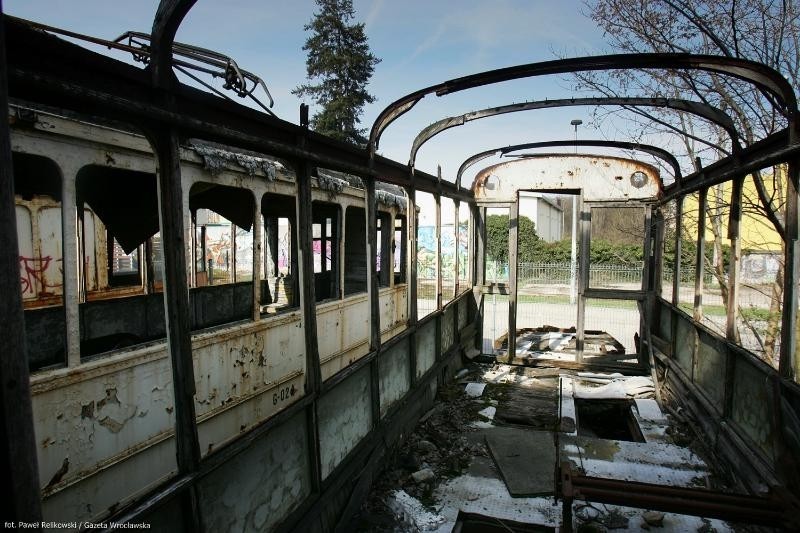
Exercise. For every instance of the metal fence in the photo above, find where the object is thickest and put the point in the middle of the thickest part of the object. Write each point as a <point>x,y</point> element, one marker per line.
<point>563,273</point>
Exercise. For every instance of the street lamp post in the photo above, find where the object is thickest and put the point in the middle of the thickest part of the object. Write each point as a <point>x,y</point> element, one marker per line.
<point>573,263</point>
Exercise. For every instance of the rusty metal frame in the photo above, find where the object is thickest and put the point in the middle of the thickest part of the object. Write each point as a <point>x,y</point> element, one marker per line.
<point>93,84</point>
<point>769,511</point>
<point>60,74</point>
<point>708,112</point>
<point>764,78</point>
<point>166,145</point>
<point>649,149</point>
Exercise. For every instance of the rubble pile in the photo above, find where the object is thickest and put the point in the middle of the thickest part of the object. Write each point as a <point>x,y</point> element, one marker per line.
<point>438,450</point>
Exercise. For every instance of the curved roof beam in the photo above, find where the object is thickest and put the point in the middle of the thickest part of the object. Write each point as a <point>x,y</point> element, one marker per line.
<point>169,15</point>
<point>710,113</point>
<point>765,78</point>
<point>649,149</point>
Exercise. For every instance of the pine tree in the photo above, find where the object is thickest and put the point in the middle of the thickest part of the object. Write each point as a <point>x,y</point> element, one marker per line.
<point>340,62</point>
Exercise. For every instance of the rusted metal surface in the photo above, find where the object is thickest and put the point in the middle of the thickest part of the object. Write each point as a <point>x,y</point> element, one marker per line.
<point>699,502</point>
<point>646,148</point>
<point>394,311</point>
<point>40,254</point>
<point>123,405</point>
<point>599,178</point>
<point>125,95</point>
<point>57,73</point>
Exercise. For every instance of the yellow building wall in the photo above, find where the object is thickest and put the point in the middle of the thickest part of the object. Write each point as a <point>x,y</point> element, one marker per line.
<point>756,231</point>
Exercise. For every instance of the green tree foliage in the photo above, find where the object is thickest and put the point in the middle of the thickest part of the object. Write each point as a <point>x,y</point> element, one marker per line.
<point>338,67</point>
<point>532,249</point>
<point>497,237</point>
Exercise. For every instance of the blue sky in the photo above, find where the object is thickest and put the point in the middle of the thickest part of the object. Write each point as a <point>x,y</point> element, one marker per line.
<point>420,43</point>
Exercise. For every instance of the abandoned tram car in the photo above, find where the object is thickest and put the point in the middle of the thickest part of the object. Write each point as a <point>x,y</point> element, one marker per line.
<point>223,316</point>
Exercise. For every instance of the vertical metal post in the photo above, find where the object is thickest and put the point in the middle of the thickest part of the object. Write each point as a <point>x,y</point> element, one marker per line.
<point>658,253</point>
<point>305,273</point>
<point>257,262</point>
<point>438,198</point>
<point>411,278</point>
<point>478,262</point>
<point>677,265</point>
<point>456,241</point>
<point>411,262</point>
<point>573,255</point>
<point>646,309</point>
<point>176,295</point>
<point>583,277</point>
<point>789,364</point>
<point>18,463</point>
<point>372,292</point>
<point>71,263</point>
<point>513,247</point>
<point>176,291</point>
<point>700,256</point>
<point>372,273</point>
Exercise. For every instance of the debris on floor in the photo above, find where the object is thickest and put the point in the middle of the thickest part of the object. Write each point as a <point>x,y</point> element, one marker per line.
<point>485,455</point>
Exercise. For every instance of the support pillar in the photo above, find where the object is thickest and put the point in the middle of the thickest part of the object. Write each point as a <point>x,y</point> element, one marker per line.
<point>18,463</point>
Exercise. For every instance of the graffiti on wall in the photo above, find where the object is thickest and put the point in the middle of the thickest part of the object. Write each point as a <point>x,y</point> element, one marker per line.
<point>34,278</point>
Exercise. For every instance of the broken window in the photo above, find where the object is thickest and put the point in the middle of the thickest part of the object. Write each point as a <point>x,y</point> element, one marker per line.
<point>716,254</point>
<point>669,213</point>
<point>119,219</point>
<point>688,260</point>
<point>223,254</point>
<point>325,242</point>
<point>495,305</point>
<point>463,240</point>
<point>279,288</point>
<point>761,268</point>
<point>355,251</point>
<point>447,234</point>
<point>123,268</point>
<point>399,248</point>
<point>616,247</point>
<point>427,259</point>
<point>37,198</point>
<point>213,248</point>
<point>383,255</point>
<point>155,253</point>
<point>223,233</point>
